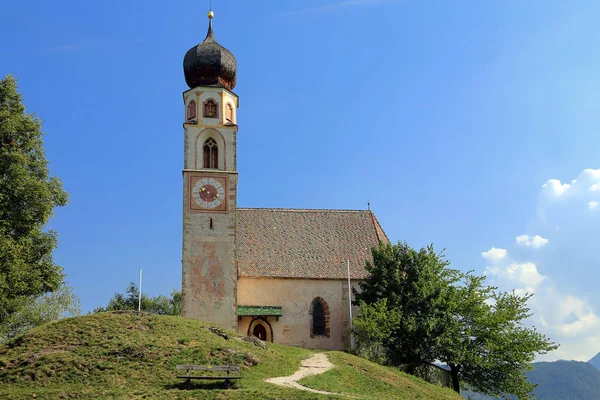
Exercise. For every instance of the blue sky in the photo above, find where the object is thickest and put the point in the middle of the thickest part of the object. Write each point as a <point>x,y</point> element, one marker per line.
<point>448,117</point>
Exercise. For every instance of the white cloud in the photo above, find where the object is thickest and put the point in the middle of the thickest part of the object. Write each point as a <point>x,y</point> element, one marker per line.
<point>574,349</point>
<point>589,178</point>
<point>555,187</point>
<point>527,274</point>
<point>592,173</point>
<point>571,316</point>
<point>564,305</point>
<point>494,254</point>
<point>562,315</point>
<point>531,241</point>
<point>524,278</point>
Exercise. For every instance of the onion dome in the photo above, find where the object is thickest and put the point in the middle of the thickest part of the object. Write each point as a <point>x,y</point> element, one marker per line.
<point>209,63</point>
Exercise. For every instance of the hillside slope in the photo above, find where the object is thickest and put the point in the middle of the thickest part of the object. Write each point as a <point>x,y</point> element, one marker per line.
<point>130,355</point>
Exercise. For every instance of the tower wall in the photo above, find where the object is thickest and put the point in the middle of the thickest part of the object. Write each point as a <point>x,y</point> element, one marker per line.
<point>209,269</point>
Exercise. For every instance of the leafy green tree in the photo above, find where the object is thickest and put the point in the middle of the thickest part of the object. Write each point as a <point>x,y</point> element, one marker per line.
<point>36,311</point>
<point>28,196</point>
<point>161,305</point>
<point>486,343</point>
<point>453,317</point>
<point>373,328</point>
<point>415,284</point>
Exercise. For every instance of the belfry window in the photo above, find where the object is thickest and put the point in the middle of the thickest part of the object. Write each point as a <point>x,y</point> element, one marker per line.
<point>211,154</point>
<point>191,110</point>
<point>229,113</point>
<point>210,109</point>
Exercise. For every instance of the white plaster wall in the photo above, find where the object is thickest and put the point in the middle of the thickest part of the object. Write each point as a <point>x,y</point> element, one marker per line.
<point>195,135</point>
<point>295,297</point>
<point>220,95</point>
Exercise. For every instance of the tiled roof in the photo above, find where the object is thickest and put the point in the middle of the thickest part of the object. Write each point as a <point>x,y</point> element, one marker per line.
<point>314,244</point>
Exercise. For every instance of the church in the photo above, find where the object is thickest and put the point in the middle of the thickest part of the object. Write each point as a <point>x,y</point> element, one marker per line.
<point>282,275</point>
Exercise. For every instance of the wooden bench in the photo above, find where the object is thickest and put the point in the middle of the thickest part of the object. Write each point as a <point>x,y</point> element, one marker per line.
<point>215,368</point>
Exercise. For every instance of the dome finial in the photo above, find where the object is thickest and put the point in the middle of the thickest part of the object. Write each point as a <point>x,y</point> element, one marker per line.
<point>209,63</point>
<point>210,34</point>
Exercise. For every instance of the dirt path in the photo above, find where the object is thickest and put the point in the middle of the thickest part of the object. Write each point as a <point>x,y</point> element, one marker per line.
<point>315,365</point>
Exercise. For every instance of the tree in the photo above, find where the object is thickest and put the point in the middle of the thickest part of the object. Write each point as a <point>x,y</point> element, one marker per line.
<point>415,284</point>
<point>28,196</point>
<point>451,316</point>
<point>373,328</point>
<point>36,311</point>
<point>486,343</point>
<point>161,305</point>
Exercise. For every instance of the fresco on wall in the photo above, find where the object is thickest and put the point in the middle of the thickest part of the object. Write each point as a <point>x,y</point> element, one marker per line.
<point>208,280</point>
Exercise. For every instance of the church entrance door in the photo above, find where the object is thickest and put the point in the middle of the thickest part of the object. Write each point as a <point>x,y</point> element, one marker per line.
<point>260,331</point>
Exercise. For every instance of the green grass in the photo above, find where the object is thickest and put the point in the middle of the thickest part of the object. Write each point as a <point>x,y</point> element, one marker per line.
<point>358,377</point>
<point>133,356</point>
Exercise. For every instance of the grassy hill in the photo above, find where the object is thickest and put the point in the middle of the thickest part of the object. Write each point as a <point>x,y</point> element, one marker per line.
<point>133,356</point>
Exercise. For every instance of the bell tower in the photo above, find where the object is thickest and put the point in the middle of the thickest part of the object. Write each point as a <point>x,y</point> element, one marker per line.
<point>209,268</point>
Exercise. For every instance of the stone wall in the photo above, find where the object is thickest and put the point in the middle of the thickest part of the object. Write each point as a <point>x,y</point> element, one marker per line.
<point>209,270</point>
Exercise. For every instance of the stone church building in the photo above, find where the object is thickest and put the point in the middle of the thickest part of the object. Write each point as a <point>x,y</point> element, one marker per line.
<point>280,274</point>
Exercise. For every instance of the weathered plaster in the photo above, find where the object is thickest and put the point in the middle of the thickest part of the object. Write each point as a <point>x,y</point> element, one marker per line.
<point>295,297</point>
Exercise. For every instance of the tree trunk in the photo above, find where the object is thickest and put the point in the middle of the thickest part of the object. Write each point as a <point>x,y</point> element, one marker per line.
<point>454,372</point>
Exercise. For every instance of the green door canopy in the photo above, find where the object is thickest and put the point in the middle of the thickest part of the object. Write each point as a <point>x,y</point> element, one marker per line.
<point>259,311</point>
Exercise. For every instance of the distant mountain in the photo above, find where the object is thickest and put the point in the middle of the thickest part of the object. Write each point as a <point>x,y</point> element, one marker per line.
<point>561,380</point>
<point>565,380</point>
<point>595,361</point>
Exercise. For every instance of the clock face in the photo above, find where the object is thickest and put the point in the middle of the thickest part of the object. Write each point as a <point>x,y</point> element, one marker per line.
<point>207,193</point>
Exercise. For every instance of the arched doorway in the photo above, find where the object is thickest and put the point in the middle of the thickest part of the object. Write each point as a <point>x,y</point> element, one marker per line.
<point>261,328</point>
<point>260,331</point>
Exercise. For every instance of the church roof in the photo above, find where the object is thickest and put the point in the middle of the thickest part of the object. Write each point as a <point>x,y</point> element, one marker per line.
<point>313,244</point>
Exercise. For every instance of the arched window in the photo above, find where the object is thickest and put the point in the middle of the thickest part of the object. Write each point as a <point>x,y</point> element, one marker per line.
<point>318,320</point>
<point>319,323</point>
<point>191,110</point>
<point>210,109</point>
<point>211,154</point>
<point>229,113</point>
